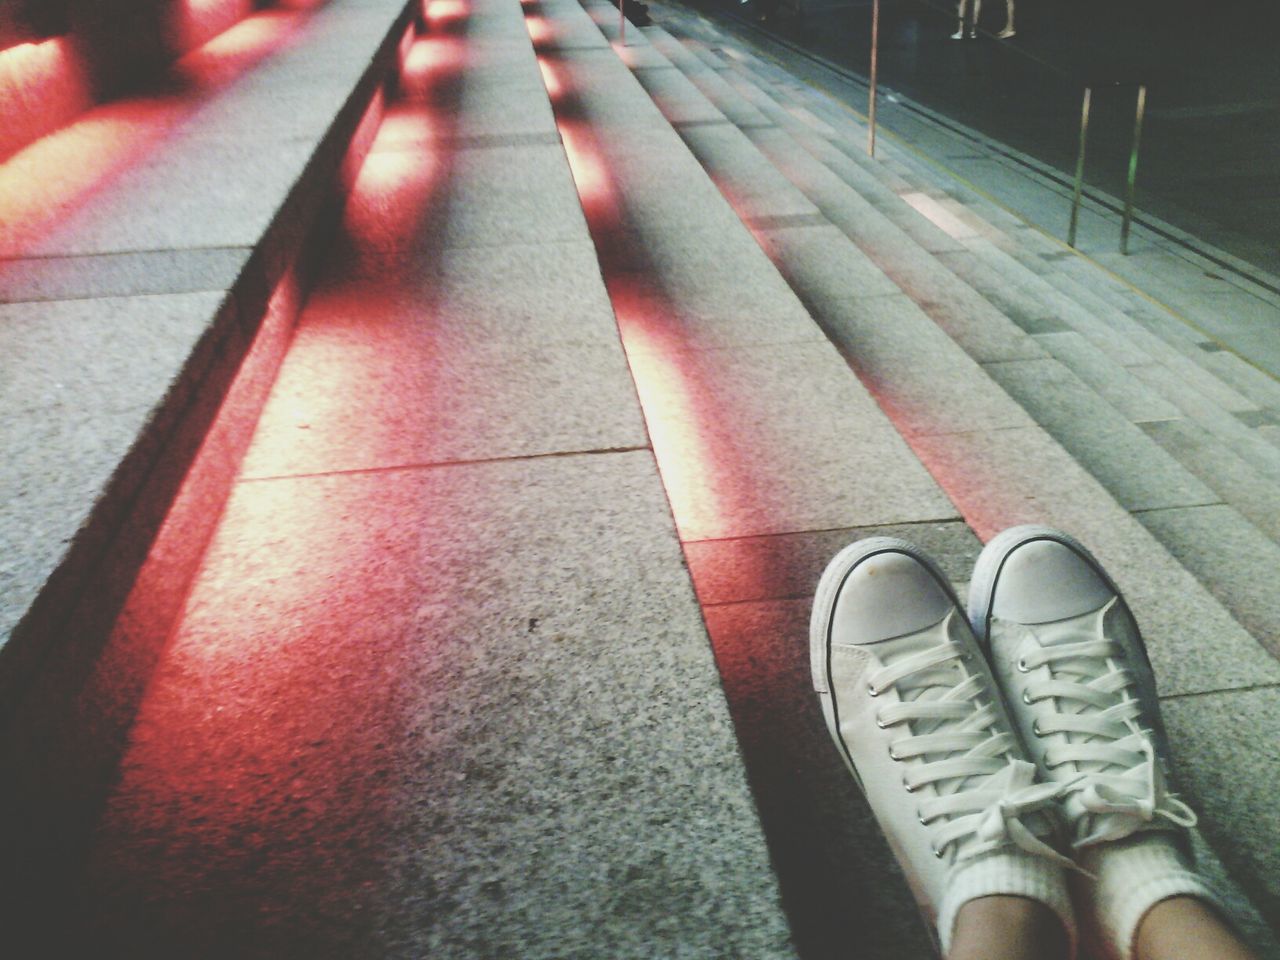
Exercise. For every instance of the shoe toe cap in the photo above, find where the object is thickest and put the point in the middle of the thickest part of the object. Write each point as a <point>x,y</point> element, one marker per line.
<point>1046,580</point>
<point>888,595</point>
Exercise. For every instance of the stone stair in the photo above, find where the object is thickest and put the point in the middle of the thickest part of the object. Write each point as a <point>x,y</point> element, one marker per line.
<point>615,345</point>
<point>1033,385</point>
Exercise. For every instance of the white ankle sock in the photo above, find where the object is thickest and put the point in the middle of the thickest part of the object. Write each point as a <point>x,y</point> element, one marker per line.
<point>1132,876</point>
<point>1007,873</point>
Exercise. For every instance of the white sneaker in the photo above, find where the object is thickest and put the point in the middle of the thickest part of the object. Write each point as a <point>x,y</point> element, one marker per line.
<point>914,713</point>
<point>1070,661</point>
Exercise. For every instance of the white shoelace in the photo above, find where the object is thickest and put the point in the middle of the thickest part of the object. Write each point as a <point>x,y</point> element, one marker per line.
<point>982,791</point>
<point>1121,787</point>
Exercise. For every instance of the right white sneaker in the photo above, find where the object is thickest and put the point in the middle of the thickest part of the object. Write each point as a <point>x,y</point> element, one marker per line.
<point>1071,663</point>
<point>911,705</point>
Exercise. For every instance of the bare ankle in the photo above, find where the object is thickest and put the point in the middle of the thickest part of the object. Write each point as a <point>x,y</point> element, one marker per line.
<point>1007,928</point>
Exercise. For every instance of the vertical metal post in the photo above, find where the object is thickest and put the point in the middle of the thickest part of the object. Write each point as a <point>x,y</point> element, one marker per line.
<point>1138,113</point>
<point>871,105</point>
<point>1075,200</point>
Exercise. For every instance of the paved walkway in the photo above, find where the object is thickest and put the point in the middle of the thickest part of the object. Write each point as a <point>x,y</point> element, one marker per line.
<point>498,646</point>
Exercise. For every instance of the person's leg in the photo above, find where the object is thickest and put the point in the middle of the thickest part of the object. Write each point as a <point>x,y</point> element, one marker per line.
<point>1008,928</point>
<point>913,711</point>
<point>1186,928</point>
<point>1068,656</point>
<point>961,7</point>
<point>1008,30</point>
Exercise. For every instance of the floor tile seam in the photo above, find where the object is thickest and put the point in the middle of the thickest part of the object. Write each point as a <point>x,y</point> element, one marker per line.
<point>84,297</point>
<point>226,291</point>
<point>808,531</point>
<point>1221,691</point>
<point>441,464</point>
<point>112,253</point>
<point>1144,511</point>
<point>467,142</point>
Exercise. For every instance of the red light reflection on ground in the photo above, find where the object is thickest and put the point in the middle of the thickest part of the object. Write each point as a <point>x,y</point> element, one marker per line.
<point>192,22</point>
<point>44,86</point>
<point>444,15</point>
<point>429,61</point>
<point>539,30</point>
<point>596,190</point>
<point>675,409</point>
<point>228,55</point>
<point>53,177</point>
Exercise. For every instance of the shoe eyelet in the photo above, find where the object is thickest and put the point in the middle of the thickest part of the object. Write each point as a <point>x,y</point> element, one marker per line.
<point>920,817</point>
<point>907,786</point>
<point>872,691</point>
<point>1035,728</point>
<point>893,756</point>
<point>1026,697</point>
<point>881,724</point>
<point>936,852</point>
<point>1022,665</point>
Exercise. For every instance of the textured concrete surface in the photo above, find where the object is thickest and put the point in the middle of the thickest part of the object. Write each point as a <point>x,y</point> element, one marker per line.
<point>843,889</point>
<point>1224,748</point>
<point>120,275</point>
<point>922,379</point>
<point>1231,557</point>
<point>1253,495</point>
<point>153,190</point>
<point>774,439</point>
<point>788,565</point>
<point>1134,469</point>
<point>76,399</point>
<point>1110,380</point>
<point>360,743</point>
<point>1000,478</point>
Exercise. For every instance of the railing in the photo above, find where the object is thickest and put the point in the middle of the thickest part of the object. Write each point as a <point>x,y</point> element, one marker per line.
<point>968,28</point>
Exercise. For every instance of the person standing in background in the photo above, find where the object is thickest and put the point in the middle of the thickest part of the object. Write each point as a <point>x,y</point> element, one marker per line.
<point>970,28</point>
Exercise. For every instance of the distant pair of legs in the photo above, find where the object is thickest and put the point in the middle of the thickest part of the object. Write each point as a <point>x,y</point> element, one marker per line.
<point>971,28</point>
<point>1014,756</point>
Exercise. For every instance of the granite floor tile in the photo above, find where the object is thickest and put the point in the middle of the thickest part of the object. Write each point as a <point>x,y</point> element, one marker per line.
<point>1234,559</point>
<point>1133,468</point>
<point>918,375</point>
<point>840,883</point>
<point>1224,754</point>
<point>822,266</point>
<point>1002,478</point>
<point>1252,494</point>
<point>773,439</point>
<point>369,385</point>
<point>367,698</point>
<point>788,565</point>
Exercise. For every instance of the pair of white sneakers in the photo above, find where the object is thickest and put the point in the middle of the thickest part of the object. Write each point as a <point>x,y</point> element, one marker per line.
<point>1009,750</point>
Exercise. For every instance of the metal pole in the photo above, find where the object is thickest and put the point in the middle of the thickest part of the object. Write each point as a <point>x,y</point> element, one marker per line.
<point>871,105</point>
<point>1133,168</point>
<point>1075,201</point>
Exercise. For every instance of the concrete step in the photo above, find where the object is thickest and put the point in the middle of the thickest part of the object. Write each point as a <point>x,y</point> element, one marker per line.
<point>868,329</point>
<point>443,678</point>
<point>135,285</point>
<point>147,293</point>
<point>1109,342</point>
